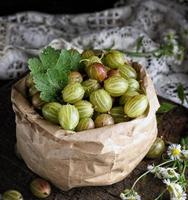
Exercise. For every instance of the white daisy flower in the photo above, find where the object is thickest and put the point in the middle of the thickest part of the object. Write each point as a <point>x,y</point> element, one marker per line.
<point>176,191</point>
<point>174,151</point>
<point>130,195</point>
<point>183,197</point>
<point>169,173</point>
<point>163,173</point>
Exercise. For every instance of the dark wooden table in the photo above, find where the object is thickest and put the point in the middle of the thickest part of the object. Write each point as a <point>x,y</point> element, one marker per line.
<point>15,175</point>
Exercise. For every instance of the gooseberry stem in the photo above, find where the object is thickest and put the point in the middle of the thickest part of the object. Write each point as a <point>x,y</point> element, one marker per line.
<point>102,56</point>
<point>84,60</point>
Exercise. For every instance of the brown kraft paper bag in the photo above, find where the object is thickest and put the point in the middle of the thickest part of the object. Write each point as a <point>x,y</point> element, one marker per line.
<point>95,157</point>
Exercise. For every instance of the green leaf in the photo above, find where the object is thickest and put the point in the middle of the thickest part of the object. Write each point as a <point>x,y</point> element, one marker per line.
<point>41,81</point>
<point>48,91</point>
<point>181,93</point>
<point>48,97</point>
<point>74,62</point>
<point>35,66</point>
<point>57,78</point>
<point>50,71</point>
<point>184,142</point>
<point>53,78</point>
<point>68,60</point>
<point>63,60</point>
<point>165,107</point>
<point>49,57</point>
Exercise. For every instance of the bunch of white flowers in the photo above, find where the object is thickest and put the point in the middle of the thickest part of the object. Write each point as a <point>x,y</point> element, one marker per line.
<point>164,173</point>
<point>175,182</point>
<point>172,48</point>
<point>176,190</point>
<point>130,195</point>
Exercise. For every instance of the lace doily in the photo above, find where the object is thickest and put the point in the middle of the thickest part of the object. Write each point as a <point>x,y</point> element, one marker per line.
<point>24,34</point>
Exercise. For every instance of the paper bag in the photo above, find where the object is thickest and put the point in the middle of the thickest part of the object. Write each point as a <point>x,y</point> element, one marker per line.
<point>95,157</point>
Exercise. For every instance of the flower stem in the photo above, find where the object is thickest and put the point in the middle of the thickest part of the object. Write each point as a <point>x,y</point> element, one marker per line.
<point>183,175</point>
<point>147,172</point>
<point>136,54</point>
<point>168,161</point>
<point>175,163</point>
<point>184,168</point>
<point>140,54</point>
<point>160,195</point>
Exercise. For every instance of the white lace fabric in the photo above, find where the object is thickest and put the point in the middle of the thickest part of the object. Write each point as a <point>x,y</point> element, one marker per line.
<point>24,34</point>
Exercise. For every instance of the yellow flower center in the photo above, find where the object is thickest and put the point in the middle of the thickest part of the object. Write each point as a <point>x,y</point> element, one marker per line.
<point>176,152</point>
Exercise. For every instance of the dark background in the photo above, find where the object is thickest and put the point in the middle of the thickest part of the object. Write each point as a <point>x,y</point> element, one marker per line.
<point>54,6</point>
